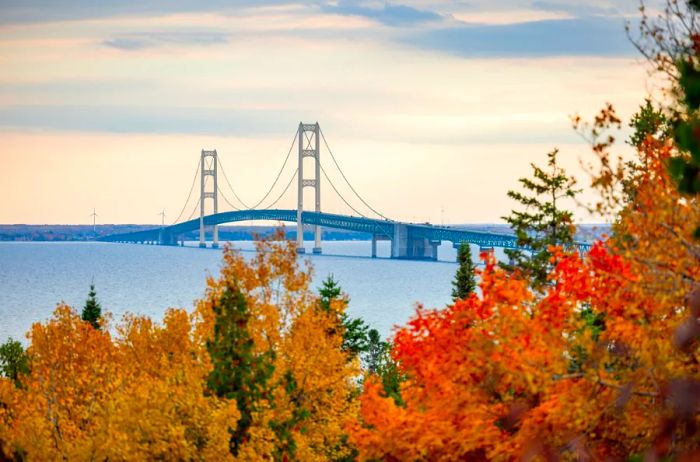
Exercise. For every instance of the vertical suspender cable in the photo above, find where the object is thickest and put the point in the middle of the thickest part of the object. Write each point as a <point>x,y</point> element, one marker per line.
<point>194,180</point>
<point>346,180</point>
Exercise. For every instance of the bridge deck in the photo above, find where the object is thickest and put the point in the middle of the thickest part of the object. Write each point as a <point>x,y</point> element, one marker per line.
<point>381,228</point>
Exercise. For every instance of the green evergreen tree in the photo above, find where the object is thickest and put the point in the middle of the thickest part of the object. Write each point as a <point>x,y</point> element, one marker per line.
<point>377,360</point>
<point>92,311</point>
<point>14,361</point>
<point>238,372</point>
<point>543,222</point>
<point>361,341</point>
<point>355,339</point>
<point>376,351</point>
<point>685,166</point>
<point>648,121</point>
<point>464,282</point>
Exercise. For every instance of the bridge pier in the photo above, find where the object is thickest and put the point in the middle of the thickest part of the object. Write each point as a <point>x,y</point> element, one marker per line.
<point>404,245</point>
<point>435,245</point>
<point>166,238</point>
<point>374,246</point>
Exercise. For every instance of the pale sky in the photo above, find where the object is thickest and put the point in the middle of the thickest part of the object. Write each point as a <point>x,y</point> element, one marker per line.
<point>427,105</point>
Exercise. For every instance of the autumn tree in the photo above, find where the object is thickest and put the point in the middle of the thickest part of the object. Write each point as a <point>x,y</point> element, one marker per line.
<point>92,309</point>
<point>599,363</point>
<point>464,282</point>
<point>93,397</point>
<point>258,369</point>
<point>543,222</point>
<point>13,360</point>
<point>670,41</point>
<point>312,381</point>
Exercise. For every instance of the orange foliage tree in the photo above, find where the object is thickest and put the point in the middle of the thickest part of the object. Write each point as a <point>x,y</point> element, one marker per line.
<point>602,365</point>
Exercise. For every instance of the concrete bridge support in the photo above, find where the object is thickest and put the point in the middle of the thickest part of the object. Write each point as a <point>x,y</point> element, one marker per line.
<point>374,246</point>
<point>165,238</point>
<point>406,246</point>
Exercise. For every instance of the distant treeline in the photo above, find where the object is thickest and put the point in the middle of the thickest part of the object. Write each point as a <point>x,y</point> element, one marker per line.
<point>59,233</point>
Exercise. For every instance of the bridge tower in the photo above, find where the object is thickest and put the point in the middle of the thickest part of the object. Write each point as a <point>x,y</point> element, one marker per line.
<point>209,163</point>
<point>309,146</point>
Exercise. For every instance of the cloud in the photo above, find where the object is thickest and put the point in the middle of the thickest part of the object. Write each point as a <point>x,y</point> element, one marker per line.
<point>151,119</point>
<point>388,14</point>
<point>22,11</point>
<point>565,37</point>
<point>205,121</point>
<point>577,9</point>
<point>149,40</point>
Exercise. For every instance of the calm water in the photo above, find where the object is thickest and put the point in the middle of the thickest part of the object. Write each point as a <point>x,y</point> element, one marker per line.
<point>148,279</point>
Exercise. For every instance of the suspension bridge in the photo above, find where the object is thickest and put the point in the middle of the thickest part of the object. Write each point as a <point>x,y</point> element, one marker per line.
<point>408,240</point>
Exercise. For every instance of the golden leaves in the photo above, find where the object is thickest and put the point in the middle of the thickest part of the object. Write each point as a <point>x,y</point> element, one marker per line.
<point>142,393</point>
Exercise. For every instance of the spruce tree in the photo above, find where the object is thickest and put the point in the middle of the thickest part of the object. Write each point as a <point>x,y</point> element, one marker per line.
<point>92,309</point>
<point>238,371</point>
<point>355,330</point>
<point>464,282</point>
<point>543,222</point>
<point>377,360</point>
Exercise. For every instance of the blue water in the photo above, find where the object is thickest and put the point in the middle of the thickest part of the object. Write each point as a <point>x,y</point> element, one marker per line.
<point>146,280</point>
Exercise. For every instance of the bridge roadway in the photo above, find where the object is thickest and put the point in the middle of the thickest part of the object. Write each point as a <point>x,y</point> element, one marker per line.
<point>408,240</point>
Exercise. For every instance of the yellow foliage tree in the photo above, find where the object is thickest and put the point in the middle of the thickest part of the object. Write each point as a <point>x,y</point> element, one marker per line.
<point>140,390</point>
<point>90,397</point>
<point>310,391</point>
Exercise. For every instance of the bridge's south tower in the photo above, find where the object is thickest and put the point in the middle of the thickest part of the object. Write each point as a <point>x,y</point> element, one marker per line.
<point>209,190</point>
<point>309,146</point>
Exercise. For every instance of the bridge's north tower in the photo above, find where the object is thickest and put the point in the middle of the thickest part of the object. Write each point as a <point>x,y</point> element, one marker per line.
<point>208,163</point>
<point>309,146</point>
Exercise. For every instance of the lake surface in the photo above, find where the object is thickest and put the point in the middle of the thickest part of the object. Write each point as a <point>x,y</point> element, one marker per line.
<point>144,279</point>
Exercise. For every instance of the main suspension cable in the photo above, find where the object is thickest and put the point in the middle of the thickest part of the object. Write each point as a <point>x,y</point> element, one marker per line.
<point>194,210</point>
<point>283,192</point>
<point>346,180</point>
<point>230,187</point>
<point>338,193</point>
<point>226,199</point>
<point>194,180</point>
<point>278,173</point>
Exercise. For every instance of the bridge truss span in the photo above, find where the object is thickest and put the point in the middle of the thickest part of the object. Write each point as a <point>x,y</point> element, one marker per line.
<point>409,241</point>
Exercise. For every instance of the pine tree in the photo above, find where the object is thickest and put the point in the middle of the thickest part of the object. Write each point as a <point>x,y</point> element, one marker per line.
<point>355,330</point>
<point>543,222</point>
<point>329,291</point>
<point>92,311</point>
<point>377,360</point>
<point>14,361</point>
<point>648,121</point>
<point>464,282</point>
<point>238,372</point>
<point>376,351</point>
